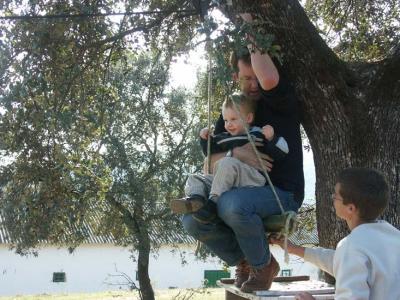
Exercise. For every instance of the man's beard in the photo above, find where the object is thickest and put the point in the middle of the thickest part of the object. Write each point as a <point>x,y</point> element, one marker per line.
<point>253,95</point>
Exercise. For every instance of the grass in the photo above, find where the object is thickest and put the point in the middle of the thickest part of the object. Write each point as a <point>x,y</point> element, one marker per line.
<point>174,294</point>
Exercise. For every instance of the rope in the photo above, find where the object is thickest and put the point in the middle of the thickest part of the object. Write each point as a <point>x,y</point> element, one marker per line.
<point>289,218</point>
<point>252,143</point>
<point>290,215</point>
<point>209,95</point>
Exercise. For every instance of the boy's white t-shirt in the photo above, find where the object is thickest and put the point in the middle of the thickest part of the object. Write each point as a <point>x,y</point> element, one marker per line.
<point>365,264</point>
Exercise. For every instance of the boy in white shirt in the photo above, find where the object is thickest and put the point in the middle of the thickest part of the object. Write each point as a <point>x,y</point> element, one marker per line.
<point>366,263</point>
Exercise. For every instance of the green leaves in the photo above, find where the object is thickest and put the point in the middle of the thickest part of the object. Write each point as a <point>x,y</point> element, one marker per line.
<point>91,135</point>
<point>358,30</point>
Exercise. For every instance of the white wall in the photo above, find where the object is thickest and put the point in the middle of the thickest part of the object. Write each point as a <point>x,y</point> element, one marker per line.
<point>87,270</point>
<point>89,267</point>
<point>297,265</point>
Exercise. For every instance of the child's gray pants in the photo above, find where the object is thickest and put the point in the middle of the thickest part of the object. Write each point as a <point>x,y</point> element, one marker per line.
<point>229,172</point>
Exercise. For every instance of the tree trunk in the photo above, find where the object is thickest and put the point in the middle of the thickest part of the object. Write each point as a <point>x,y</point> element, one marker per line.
<point>143,268</point>
<point>351,113</point>
<point>144,247</point>
<point>140,232</point>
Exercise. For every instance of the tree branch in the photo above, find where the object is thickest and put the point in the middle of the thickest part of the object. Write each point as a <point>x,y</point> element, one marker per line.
<point>387,82</point>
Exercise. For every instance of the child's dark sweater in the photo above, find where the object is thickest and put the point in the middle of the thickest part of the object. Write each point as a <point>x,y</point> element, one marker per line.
<point>277,148</point>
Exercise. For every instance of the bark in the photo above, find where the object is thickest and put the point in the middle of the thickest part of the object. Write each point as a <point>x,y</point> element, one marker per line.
<point>137,226</point>
<point>351,112</point>
<point>143,267</point>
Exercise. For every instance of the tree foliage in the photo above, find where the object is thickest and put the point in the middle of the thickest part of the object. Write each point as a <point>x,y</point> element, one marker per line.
<point>91,134</point>
<point>361,30</point>
<point>51,125</point>
<point>61,92</point>
<point>88,126</point>
<point>150,146</point>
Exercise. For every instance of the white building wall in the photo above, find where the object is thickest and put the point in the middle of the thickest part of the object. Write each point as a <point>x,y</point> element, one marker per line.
<point>297,265</point>
<point>88,269</point>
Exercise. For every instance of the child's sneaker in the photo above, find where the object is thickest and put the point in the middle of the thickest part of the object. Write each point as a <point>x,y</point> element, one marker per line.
<point>207,213</point>
<point>187,205</point>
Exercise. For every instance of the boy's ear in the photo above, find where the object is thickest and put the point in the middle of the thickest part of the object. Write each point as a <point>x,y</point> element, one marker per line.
<point>351,208</point>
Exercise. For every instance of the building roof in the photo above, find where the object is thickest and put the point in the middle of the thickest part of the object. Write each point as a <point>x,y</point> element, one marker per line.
<point>300,237</point>
<point>156,235</point>
<point>305,237</point>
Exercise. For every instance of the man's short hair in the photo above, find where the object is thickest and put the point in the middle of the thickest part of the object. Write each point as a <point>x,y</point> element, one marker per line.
<point>367,189</point>
<point>246,104</point>
<point>241,54</point>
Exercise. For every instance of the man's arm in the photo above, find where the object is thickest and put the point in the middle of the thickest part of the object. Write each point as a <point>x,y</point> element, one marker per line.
<point>243,153</point>
<point>246,154</point>
<point>263,66</point>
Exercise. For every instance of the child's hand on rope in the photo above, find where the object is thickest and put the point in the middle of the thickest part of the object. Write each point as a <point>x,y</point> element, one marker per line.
<point>204,133</point>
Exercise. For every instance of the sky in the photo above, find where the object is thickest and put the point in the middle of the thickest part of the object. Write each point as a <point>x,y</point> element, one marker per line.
<point>184,71</point>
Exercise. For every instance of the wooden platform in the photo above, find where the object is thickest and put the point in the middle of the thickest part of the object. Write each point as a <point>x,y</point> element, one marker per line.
<point>282,290</point>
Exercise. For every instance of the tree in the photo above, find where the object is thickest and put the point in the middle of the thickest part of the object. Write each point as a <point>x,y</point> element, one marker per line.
<point>150,146</point>
<point>348,83</point>
<point>350,102</point>
<point>342,72</point>
<point>91,134</point>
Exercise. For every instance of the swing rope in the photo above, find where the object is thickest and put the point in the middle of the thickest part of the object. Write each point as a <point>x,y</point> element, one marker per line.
<point>291,215</point>
<point>259,160</point>
<point>209,100</point>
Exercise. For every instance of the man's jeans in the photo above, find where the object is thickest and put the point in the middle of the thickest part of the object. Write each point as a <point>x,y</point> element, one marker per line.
<point>240,232</point>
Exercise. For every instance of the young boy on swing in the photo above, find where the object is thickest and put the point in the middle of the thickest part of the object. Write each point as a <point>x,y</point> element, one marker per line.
<point>366,263</point>
<point>202,191</point>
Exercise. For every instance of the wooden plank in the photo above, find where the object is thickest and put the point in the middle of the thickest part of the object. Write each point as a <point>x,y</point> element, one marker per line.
<point>276,279</point>
<point>291,278</point>
<point>231,296</point>
<point>281,290</point>
<point>292,288</point>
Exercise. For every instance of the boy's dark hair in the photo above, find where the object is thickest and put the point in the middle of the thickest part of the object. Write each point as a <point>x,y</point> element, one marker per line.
<point>243,55</point>
<point>367,189</point>
<point>246,104</point>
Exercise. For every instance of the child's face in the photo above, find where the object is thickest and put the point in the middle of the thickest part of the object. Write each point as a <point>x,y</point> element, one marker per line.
<point>233,123</point>
<point>342,210</point>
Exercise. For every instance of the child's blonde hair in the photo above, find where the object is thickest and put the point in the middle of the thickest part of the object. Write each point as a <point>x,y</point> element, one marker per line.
<point>245,104</point>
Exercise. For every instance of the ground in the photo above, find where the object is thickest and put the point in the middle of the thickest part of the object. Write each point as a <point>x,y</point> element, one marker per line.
<point>174,294</point>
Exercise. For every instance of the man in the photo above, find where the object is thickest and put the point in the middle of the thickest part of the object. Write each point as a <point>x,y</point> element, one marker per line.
<point>239,238</point>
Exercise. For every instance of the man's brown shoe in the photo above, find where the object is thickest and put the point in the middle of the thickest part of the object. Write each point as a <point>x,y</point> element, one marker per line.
<point>241,274</point>
<point>261,279</point>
